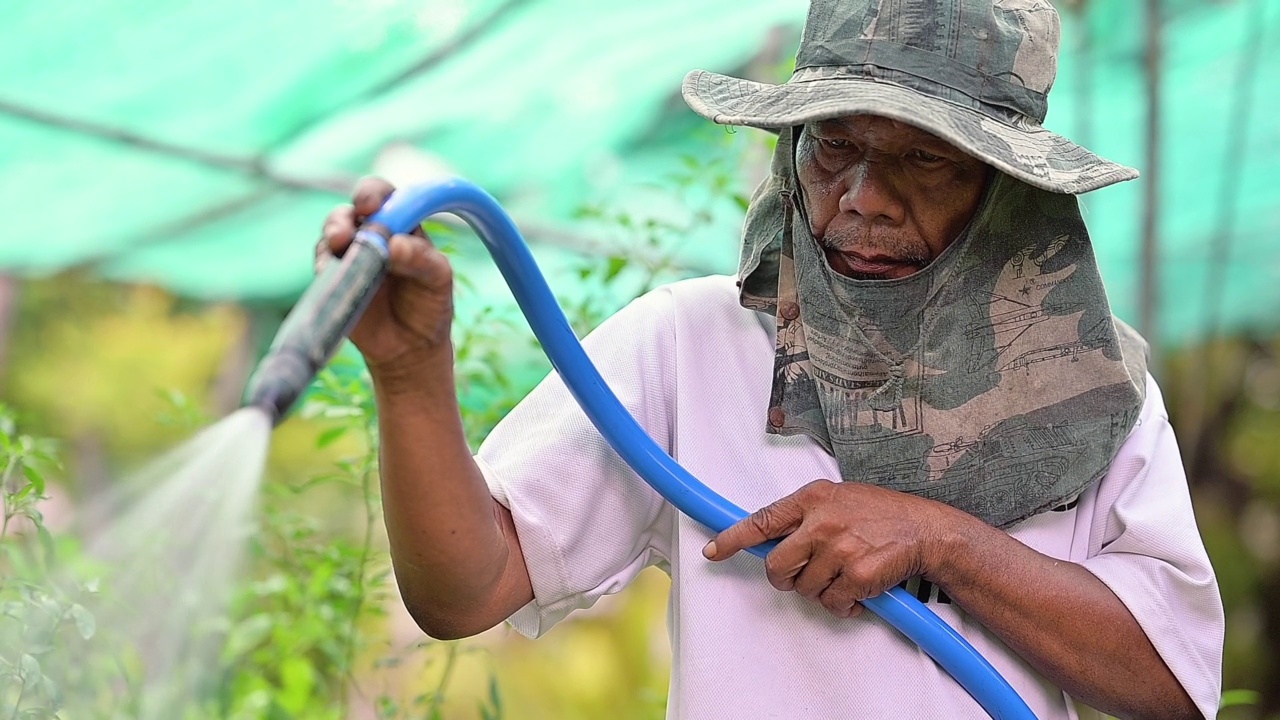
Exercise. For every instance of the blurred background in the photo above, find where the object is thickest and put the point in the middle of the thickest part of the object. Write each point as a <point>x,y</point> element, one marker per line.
<point>165,168</point>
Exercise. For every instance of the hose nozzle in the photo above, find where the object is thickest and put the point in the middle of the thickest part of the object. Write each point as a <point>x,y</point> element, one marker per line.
<point>315,328</point>
<point>277,383</point>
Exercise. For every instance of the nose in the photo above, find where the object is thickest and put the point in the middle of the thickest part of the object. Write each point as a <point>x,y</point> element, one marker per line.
<point>870,193</point>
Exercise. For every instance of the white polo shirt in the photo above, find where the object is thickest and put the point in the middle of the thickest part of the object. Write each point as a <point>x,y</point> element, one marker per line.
<point>694,368</point>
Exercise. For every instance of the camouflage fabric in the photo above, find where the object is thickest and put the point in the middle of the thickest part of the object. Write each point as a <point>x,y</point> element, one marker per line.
<point>995,380</point>
<point>976,73</point>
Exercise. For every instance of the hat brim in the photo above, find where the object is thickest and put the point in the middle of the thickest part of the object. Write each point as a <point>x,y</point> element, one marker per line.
<point>1032,154</point>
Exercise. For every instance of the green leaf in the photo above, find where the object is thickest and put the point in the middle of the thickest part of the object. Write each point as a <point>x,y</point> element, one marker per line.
<point>386,707</point>
<point>435,227</point>
<point>46,545</point>
<point>86,625</point>
<point>330,436</point>
<point>49,688</point>
<point>1234,698</point>
<point>35,478</point>
<point>29,669</point>
<point>248,634</point>
<point>44,460</point>
<point>616,264</point>
<point>276,712</point>
<point>298,679</point>
<point>492,710</point>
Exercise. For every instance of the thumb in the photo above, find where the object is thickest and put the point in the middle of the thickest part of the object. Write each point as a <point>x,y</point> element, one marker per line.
<point>415,257</point>
<point>771,521</point>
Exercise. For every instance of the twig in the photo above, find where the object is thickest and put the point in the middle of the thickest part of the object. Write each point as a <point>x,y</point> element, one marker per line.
<point>4,495</point>
<point>437,697</point>
<point>366,550</point>
<point>22,690</point>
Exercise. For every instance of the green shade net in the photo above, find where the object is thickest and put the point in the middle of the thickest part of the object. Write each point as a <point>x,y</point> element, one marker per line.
<point>199,145</point>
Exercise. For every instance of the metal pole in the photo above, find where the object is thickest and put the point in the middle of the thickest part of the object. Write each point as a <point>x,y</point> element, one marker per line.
<point>1149,300</point>
<point>1084,86</point>
<point>1199,387</point>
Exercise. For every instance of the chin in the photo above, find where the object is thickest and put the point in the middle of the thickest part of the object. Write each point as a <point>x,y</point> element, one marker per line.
<point>864,276</point>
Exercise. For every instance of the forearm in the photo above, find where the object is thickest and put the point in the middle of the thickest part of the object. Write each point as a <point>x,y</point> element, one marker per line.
<point>1059,617</point>
<point>454,548</point>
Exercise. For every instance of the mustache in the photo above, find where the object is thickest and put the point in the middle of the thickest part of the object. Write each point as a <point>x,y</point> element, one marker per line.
<point>871,244</point>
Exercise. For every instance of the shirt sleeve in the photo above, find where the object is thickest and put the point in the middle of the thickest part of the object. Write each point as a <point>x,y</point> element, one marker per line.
<point>587,523</point>
<point>1145,546</point>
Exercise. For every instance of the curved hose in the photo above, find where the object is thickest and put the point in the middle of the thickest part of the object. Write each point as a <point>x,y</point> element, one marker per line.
<point>406,209</point>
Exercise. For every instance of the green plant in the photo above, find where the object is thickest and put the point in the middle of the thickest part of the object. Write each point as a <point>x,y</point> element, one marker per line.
<point>308,630</point>
<point>642,243</point>
<point>294,632</point>
<point>43,624</point>
<point>307,633</point>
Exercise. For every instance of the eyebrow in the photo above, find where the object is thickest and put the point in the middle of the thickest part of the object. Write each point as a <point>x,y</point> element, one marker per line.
<point>921,135</point>
<point>844,124</point>
<point>836,122</point>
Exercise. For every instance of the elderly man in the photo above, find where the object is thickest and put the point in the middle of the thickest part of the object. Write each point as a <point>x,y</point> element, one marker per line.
<point>916,376</point>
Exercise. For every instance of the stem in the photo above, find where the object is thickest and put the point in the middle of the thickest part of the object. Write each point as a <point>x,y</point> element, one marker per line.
<point>22,690</point>
<point>437,697</point>
<point>4,496</point>
<point>366,549</point>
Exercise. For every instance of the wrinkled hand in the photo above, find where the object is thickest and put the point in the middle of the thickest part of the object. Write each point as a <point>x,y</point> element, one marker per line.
<point>845,542</point>
<point>412,311</point>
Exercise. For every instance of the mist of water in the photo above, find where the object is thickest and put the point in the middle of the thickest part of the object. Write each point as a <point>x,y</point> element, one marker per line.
<point>169,550</point>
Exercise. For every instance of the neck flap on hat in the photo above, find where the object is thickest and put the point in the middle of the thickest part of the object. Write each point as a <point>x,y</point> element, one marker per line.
<point>995,380</point>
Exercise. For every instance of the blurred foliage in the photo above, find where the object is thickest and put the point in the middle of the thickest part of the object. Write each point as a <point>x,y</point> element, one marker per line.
<point>316,631</point>
<point>1224,403</point>
<point>98,362</point>
<point>43,626</point>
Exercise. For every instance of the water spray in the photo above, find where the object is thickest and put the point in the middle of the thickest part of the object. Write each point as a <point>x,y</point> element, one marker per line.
<point>330,307</point>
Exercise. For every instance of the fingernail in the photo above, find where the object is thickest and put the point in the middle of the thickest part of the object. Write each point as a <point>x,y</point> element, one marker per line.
<point>709,550</point>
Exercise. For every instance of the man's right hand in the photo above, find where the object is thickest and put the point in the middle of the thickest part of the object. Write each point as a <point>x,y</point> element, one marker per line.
<point>454,549</point>
<point>410,316</point>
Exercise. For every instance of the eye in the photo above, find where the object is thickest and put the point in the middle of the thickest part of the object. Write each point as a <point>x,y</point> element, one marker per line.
<point>925,158</point>
<point>837,143</point>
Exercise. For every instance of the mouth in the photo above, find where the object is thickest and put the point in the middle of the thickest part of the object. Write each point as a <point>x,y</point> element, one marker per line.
<point>873,267</point>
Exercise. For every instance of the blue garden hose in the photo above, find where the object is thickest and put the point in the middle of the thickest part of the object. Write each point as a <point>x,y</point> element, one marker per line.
<point>330,307</point>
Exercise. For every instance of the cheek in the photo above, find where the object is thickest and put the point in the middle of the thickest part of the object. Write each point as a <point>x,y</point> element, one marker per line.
<point>945,211</point>
<point>821,195</point>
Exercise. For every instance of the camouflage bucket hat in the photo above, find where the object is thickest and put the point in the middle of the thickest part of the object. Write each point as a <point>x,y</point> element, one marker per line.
<point>976,73</point>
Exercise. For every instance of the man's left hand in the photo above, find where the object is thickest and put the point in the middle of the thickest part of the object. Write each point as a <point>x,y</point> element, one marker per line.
<point>844,542</point>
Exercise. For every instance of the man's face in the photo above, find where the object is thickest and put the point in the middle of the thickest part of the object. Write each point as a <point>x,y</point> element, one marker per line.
<point>884,198</point>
